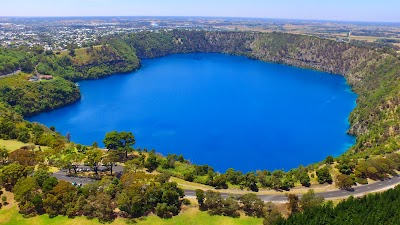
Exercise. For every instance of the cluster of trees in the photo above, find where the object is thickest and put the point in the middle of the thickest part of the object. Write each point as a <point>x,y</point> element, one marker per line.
<point>250,204</point>
<point>176,165</point>
<point>12,126</point>
<point>372,209</point>
<point>378,168</point>
<point>135,194</point>
<point>12,60</point>
<point>278,179</point>
<point>28,98</point>
<point>354,170</point>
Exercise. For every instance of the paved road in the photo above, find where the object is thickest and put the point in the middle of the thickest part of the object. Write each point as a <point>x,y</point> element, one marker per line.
<point>337,194</point>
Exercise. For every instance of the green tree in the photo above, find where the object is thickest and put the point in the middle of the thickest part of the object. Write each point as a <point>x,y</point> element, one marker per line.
<point>293,203</point>
<point>93,159</point>
<point>134,164</point>
<point>230,207</point>
<point>324,176</point>
<point>122,141</point>
<point>252,205</point>
<point>272,214</point>
<point>213,203</point>
<point>151,163</point>
<point>23,157</point>
<point>251,181</point>
<point>219,182</point>
<point>49,184</point>
<point>344,182</point>
<point>25,189</point>
<point>23,135</point>
<point>111,140</point>
<point>103,207</point>
<point>329,160</point>
<point>40,176</point>
<point>61,198</point>
<point>127,140</point>
<point>310,199</point>
<point>10,174</point>
<point>200,198</point>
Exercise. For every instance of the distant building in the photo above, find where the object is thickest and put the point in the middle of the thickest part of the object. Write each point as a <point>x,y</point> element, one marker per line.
<point>46,77</point>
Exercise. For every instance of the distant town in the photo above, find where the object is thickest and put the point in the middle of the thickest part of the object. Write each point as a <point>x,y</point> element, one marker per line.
<point>59,34</point>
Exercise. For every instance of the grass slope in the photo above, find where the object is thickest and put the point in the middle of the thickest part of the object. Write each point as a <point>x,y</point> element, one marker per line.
<point>12,145</point>
<point>191,216</point>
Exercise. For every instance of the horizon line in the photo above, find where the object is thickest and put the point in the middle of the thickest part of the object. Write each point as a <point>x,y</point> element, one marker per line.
<point>231,17</point>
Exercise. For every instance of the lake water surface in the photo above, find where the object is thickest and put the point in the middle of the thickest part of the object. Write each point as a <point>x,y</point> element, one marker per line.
<point>225,111</point>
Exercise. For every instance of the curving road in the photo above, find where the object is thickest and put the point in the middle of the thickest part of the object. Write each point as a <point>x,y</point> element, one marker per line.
<point>336,194</point>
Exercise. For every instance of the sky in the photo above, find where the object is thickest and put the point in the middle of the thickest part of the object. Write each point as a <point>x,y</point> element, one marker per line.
<point>344,10</point>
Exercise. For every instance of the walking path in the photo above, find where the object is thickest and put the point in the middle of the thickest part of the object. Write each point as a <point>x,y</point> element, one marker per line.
<point>10,74</point>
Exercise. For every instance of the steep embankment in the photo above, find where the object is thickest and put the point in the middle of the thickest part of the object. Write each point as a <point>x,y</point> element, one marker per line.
<point>95,62</point>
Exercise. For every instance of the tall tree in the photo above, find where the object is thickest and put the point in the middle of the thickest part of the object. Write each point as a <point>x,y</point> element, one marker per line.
<point>127,140</point>
<point>110,159</point>
<point>93,158</point>
<point>344,182</point>
<point>252,205</point>
<point>310,199</point>
<point>111,140</point>
<point>293,203</point>
<point>10,174</point>
<point>122,141</point>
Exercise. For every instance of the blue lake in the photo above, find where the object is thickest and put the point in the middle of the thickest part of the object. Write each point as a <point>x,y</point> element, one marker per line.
<point>221,110</point>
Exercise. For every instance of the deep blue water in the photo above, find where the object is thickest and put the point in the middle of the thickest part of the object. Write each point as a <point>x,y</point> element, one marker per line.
<point>225,111</point>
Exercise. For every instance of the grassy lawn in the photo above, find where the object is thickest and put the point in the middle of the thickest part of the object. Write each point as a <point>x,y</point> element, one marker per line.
<point>12,145</point>
<point>191,216</point>
<point>190,185</point>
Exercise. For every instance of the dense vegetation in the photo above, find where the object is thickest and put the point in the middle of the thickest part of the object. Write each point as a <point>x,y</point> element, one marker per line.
<point>135,193</point>
<point>372,209</point>
<point>28,97</point>
<point>13,60</point>
<point>13,126</point>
